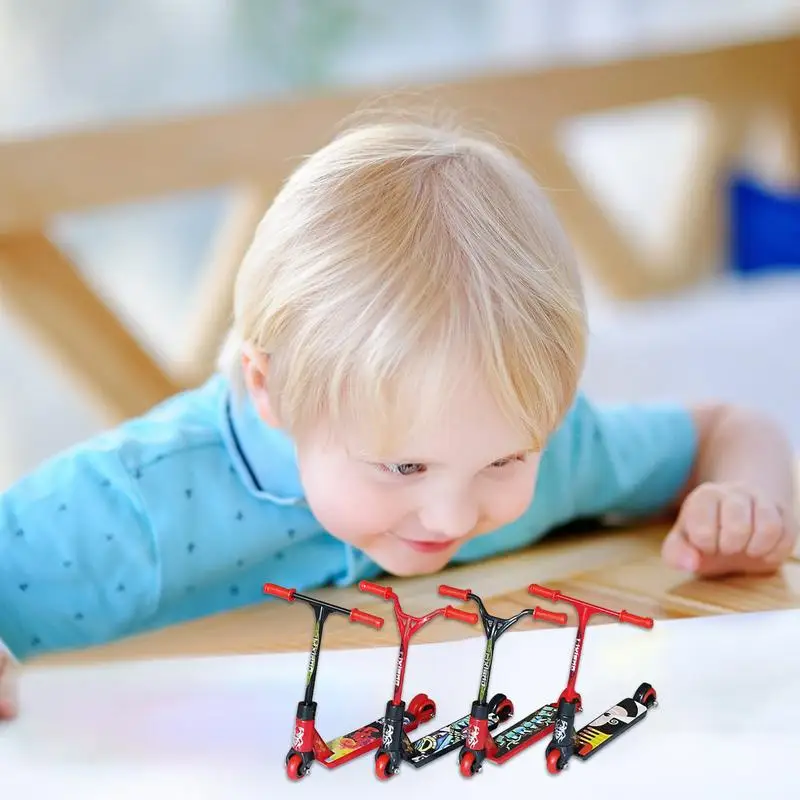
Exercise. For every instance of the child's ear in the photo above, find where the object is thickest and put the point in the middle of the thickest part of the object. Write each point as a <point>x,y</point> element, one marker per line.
<point>255,368</point>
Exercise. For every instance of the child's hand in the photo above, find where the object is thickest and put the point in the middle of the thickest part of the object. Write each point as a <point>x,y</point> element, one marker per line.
<point>726,528</point>
<point>9,673</point>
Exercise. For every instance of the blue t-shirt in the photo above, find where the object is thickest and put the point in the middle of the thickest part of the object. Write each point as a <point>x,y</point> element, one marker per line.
<point>189,509</point>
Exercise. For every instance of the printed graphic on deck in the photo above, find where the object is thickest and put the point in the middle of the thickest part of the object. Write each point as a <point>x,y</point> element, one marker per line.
<point>445,739</point>
<point>526,728</point>
<point>358,739</point>
<point>608,725</point>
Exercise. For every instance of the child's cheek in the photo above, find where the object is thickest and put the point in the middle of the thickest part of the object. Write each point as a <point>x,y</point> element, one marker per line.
<point>348,509</point>
<point>505,507</point>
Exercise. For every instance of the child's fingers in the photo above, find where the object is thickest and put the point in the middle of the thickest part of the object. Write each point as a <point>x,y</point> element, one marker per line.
<point>768,528</point>
<point>700,519</point>
<point>679,553</point>
<point>784,547</point>
<point>9,701</point>
<point>736,523</point>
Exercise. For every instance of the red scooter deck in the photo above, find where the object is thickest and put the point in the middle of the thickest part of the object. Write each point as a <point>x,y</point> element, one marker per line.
<point>444,740</point>
<point>360,741</point>
<point>524,733</point>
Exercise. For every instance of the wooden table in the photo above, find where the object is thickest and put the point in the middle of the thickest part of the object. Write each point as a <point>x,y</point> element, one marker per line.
<point>618,569</point>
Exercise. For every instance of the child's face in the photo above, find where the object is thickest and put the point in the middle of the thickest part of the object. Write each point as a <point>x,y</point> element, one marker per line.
<point>463,475</point>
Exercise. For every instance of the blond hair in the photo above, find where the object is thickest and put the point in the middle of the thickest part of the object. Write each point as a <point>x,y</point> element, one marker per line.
<point>395,254</point>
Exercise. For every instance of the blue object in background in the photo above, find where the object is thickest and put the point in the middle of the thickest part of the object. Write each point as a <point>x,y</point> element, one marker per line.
<point>764,227</point>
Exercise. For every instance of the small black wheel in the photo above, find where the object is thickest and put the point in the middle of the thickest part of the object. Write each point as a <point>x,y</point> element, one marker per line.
<point>646,695</point>
<point>501,706</point>
<point>427,712</point>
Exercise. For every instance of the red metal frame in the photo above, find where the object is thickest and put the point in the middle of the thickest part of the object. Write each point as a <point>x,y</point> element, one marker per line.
<point>408,625</point>
<point>585,612</point>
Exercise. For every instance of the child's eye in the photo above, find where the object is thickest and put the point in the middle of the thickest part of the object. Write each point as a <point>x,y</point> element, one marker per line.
<point>504,462</point>
<point>402,469</point>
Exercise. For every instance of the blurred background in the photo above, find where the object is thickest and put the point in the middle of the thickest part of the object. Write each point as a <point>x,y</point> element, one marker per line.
<point>686,211</point>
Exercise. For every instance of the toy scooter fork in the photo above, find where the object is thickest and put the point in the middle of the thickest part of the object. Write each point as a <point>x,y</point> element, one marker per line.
<point>306,741</point>
<point>307,745</point>
<point>394,739</point>
<point>562,745</point>
<point>479,741</point>
<point>569,703</point>
<point>395,745</point>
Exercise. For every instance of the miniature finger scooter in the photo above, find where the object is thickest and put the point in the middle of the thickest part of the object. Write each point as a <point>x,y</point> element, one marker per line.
<point>307,745</point>
<point>396,746</point>
<point>474,729</point>
<point>565,741</point>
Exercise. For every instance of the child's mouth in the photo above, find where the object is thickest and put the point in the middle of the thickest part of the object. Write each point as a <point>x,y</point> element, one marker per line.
<point>428,547</point>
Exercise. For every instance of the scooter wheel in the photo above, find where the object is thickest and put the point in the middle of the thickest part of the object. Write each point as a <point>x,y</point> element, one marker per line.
<point>554,762</point>
<point>468,764</point>
<point>422,708</point>
<point>295,769</point>
<point>383,767</point>
<point>501,706</point>
<point>646,695</point>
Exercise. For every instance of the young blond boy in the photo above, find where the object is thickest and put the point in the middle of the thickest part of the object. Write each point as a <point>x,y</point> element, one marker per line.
<point>399,392</point>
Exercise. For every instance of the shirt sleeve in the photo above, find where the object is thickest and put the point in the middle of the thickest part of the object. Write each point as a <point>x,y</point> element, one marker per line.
<point>625,460</point>
<point>78,562</point>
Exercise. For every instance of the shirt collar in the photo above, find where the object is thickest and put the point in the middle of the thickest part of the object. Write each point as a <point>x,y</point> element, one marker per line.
<point>266,461</point>
<point>264,457</point>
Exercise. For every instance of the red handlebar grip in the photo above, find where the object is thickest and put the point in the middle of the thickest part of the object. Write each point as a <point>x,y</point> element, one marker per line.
<point>550,616</point>
<point>357,615</point>
<point>373,588</point>
<point>451,591</point>
<point>633,619</point>
<point>279,591</point>
<point>462,616</point>
<point>543,591</point>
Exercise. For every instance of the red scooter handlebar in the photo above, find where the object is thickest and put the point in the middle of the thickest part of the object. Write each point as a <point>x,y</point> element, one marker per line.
<point>373,588</point>
<point>622,616</point>
<point>356,615</point>
<point>543,591</point>
<point>633,619</point>
<point>549,616</point>
<point>462,616</point>
<point>457,594</point>
<point>279,591</point>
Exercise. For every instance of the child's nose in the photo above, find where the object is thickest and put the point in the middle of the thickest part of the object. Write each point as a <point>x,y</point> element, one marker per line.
<point>450,519</point>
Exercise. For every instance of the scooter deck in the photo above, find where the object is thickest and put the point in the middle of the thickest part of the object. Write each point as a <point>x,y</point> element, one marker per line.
<point>609,725</point>
<point>524,733</point>
<point>360,741</point>
<point>439,743</point>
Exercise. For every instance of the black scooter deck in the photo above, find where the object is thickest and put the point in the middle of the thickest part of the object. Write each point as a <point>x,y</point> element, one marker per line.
<point>609,725</point>
<point>359,741</point>
<point>524,733</point>
<point>439,743</point>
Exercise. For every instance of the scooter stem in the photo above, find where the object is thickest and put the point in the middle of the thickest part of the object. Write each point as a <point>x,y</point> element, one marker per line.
<point>322,610</point>
<point>494,627</point>
<point>585,611</point>
<point>408,625</point>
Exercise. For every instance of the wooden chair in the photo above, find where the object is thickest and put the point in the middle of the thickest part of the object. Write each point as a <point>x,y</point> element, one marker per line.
<point>252,149</point>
